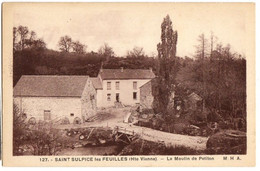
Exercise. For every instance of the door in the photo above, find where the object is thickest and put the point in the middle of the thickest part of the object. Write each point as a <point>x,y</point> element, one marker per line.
<point>47,115</point>
<point>117,97</point>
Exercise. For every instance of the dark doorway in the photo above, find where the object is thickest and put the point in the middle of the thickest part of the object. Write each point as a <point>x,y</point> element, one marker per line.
<point>134,95</point>
<point>117,97</point>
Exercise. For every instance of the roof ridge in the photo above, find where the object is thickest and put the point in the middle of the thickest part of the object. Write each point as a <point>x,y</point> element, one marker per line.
<point>125,69</point>
<point>55,76</point>
<point>126,74</point>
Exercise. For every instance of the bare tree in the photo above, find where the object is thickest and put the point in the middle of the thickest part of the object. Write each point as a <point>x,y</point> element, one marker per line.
<point>32,35</point>
<point>202,47</point>
<point>213,43</point>
<point>136,52</point>
<point>201,54</point>
<point>23,38</point>
<point>106,51</point>
<point>65,43</point>
<point>78,47</point>
<point>28,43</point>
<point>23,32</point>
<point>15,34</point>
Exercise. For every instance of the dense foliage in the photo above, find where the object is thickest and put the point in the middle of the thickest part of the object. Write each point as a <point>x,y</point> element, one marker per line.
<point>218,75</point>
<point>49,62</point>
<point>33,138</point>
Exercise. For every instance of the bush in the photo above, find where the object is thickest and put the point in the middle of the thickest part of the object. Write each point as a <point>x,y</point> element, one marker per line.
<point>65,121</point>
<point>143,147</point>
<point>77,120</point>
<point>32,121</point>
<point>227,142</point>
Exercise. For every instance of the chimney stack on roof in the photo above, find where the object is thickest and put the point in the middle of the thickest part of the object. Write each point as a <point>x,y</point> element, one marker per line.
<point>151,69</point>
<point>122,69</point>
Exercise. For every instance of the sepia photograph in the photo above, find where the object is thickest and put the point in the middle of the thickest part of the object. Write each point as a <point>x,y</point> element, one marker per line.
<point>129,79</point>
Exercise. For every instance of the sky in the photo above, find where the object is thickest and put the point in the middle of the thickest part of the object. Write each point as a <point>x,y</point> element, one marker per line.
<point>126,25</point>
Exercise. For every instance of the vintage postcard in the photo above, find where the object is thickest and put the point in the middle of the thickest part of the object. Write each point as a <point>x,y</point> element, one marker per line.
<point>128,84</point>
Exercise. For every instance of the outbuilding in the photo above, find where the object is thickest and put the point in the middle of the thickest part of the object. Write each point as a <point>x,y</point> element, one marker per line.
<point>53,98</point>
<point>146,96</point>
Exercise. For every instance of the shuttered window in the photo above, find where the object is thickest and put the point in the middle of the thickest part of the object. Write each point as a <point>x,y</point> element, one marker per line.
<point>108,97</point>
<point>108,85</point>
<point>135,85</point>
<point>47,115</point>
<point>117,85</point>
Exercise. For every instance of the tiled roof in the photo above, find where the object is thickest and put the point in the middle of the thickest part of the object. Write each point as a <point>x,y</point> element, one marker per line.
<point>96,82</point>
<point>50,86</point>
<point>126,74</point>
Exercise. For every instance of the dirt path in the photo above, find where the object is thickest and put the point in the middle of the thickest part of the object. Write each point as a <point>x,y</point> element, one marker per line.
<point>170,139</point>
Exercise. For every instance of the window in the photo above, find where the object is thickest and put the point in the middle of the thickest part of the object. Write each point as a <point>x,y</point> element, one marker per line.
<point>72,114</point>
<point>108,97</point>
<point>108,85</point>
<point>135,95</point>
<point>117,85</point>
<point>135,85</point>
<point>47,115</point>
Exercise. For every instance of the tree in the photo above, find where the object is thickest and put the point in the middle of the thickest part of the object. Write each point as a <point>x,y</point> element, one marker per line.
<point>27,39</point>
<point>28,43</point>
<point>23,32</point>
<point>78,47</point>
<point>15,34</point>
<point>219,77</point>
<point>201,55</point>
<point>202,49</point>
<point>164,87</point>
<point>65,43</point>
<point>38,44</point>
<point>106,51</point>
<point>32,35</point>
<point>213,41</point>
<point>136,52</point>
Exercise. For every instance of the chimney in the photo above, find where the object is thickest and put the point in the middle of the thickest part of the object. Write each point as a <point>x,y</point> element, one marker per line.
<point>151,69</point>
<point>122,69</point>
